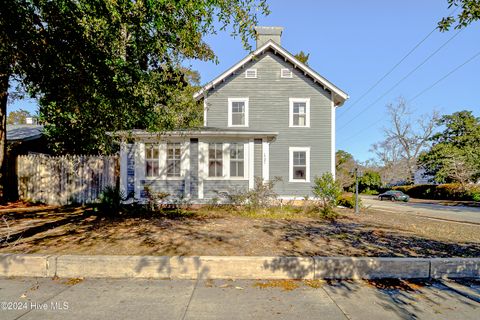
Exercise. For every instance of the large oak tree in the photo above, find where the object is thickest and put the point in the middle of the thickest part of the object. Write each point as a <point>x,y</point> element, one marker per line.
<point>105,65</point>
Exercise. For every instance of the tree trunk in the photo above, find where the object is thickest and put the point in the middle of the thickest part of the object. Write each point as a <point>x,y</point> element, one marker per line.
<point>4,78</point>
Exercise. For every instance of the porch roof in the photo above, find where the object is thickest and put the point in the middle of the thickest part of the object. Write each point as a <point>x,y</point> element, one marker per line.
<point>195,133</point>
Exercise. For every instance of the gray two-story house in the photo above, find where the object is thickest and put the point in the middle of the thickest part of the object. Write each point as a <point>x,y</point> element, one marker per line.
<point>268,116</point>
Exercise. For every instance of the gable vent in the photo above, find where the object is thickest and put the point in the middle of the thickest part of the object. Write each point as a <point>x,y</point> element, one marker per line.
<point>251,73</point>
<point>286,73</point>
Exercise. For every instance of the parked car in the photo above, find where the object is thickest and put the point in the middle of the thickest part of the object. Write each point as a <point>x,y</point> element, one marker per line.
<point>394,195</point>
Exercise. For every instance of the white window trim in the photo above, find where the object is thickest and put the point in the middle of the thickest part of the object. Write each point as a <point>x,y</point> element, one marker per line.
<point>289,70</point>
<point>307,163</point>
<point>162,157</point>
<point>307,111</point>
<point>250,77</point>
<point>230,102</point>
<point>225,159</point>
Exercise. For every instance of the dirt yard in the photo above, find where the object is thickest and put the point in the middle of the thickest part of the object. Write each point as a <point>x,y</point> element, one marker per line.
<point>219,232</point>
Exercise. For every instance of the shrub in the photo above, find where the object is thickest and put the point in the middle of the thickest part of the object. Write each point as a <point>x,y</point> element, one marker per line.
<point>449,191</point>
<point>328,191</point>
<point>111,201</point>
<point>155,200</point>
<point>348,201</point>
<point>261,196</point>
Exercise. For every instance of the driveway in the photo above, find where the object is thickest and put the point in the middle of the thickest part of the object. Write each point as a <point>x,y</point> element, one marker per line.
<point>227,299</point>
<point>429,210</point>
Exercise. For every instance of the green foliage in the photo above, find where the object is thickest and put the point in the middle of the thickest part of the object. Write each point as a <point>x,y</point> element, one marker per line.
<point>327,190</point>
<point>18,117</point>
<point>302,57</point>
<point>111,201</point>
<point>344,166</point>
<point>113,65</point>
<point>449,191</point>
<point>455,155</point>
<point>348,200</point>
<point>262,195</point>
<point>470,12</point>
<point>369,182</point>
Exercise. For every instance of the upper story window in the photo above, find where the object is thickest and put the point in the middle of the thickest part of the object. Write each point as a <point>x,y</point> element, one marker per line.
<point>251,73</point>
<point>299,112</point>
<point>299,164</point>
<point>215,160</point>
<point>237,160</point>
<point>173,159</point>
<point>238,112</point>
<point>286,73</point>
<point>152,160</point>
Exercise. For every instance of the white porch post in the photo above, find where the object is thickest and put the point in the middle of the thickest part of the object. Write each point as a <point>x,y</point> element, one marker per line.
<point>266,160</point>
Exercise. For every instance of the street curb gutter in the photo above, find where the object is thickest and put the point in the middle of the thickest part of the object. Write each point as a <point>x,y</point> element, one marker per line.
<point>235,267</point>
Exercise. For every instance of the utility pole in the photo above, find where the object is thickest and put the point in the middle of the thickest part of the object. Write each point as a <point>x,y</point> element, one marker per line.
<point>356,191</point>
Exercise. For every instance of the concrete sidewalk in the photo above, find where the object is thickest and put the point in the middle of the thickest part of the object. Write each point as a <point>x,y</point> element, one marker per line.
<point>44,298</point>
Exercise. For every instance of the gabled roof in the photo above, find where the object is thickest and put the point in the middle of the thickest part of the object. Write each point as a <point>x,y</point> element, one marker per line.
<point>339,96</point>
<point>23,132</point>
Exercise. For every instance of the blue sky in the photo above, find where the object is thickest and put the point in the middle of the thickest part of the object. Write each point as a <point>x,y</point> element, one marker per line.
<point>353,44</point>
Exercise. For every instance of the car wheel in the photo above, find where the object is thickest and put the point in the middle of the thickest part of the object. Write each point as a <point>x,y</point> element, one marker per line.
<point>381,198</point>
<point>392,199</point>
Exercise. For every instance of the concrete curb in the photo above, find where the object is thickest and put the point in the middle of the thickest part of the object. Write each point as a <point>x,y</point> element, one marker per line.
<point>235,267</point>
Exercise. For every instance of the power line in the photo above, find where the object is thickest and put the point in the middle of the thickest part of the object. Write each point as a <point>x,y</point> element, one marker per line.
<point>393,68</point>
<point>420,93</point>
<point>404,78</point>
<point>389,71</point>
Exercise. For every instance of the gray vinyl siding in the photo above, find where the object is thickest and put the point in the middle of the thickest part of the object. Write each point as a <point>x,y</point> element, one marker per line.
<point>176,188</point>
<point>214,188</point>
<point>269,110</point>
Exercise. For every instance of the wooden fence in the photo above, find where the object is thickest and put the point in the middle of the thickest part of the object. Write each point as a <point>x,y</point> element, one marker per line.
<point>65,180</point>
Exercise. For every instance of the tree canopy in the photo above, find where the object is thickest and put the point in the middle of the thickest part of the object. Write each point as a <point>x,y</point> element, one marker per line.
<point>302,57</point>
<point>103,65</point>
<point>18,117</point>
<point>469,12</point>
<point>455,155</point>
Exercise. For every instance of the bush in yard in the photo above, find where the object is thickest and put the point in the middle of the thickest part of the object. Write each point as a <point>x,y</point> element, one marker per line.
<point>370,182</point>
<point>348,201</point>
<point>448,191</point>
<point>261,196</point>
<point>111,201</point>
<point>328,191</point>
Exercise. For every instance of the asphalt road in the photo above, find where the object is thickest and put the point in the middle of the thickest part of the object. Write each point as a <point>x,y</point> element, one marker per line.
<point>186,299</point>
<point>435,211</point>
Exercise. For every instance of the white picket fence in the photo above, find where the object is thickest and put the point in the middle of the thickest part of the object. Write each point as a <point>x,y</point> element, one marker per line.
<point>66,179</point>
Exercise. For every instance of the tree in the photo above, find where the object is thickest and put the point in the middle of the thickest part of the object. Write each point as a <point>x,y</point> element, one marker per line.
<point>302,57</point>
<point>470,12</point>
<point>405,139</point>
<point>454,155</point>
<point>328,191</point>
<point>18,117</point>
<point>111,65</point>
<point>344,165</point>
<point>369,181</point>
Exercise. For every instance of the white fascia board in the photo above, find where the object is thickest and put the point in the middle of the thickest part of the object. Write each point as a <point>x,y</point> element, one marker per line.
<point>287,55</point>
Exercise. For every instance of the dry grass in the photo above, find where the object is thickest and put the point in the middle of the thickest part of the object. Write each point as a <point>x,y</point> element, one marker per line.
<point>282,231</point>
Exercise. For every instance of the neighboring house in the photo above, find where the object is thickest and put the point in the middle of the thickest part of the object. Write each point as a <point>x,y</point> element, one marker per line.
<point>21,139</point>
<point>267,116</point>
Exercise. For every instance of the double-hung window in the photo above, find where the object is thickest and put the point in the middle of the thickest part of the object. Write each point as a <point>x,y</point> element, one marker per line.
<point>215,160</point>
<point>299,164</point>
<point>152,160</point>
<point>173,159</point>
<point>238,112</point>
<point>237,160</point>
<point>299,112</point>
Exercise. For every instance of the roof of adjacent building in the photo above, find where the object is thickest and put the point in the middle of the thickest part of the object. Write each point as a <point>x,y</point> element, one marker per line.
<point>23,132</point>
<point>339,96</point>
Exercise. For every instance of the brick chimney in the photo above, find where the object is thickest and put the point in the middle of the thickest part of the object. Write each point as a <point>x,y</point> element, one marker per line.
<point>268,33</point>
